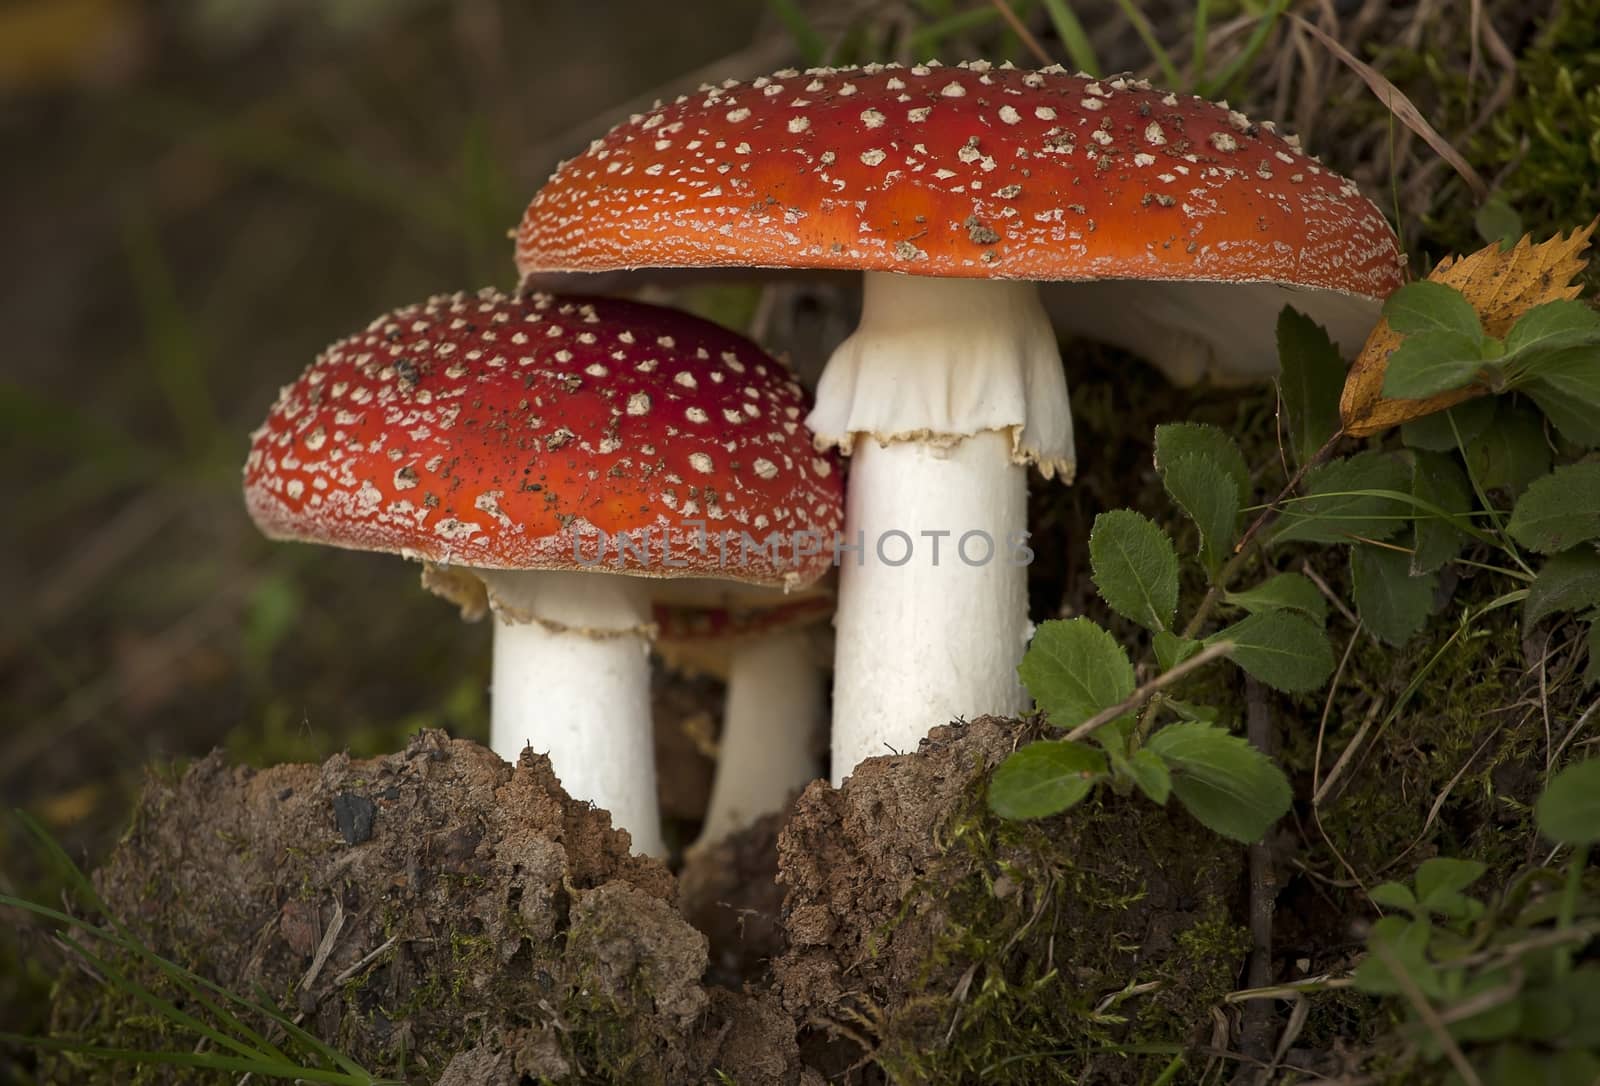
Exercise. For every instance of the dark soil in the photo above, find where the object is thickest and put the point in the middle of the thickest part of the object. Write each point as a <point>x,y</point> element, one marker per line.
<point>445,917</point>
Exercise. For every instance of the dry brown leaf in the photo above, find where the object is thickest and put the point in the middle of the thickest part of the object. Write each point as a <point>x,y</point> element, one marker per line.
<point>1501,285</point>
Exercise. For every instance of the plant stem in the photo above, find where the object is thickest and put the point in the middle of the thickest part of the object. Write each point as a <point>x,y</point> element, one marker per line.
<point>1569,905</point>
<point>1144,693</point>
<point>1231,567</point>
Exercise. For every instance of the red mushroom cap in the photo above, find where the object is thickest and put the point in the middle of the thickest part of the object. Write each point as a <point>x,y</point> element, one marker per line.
<point>972,172</point>
<point>495,432</point>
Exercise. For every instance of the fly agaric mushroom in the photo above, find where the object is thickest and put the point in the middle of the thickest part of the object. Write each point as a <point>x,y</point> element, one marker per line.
<point>1183,226</point>
<point>766,652</point>
<point>540,444</point>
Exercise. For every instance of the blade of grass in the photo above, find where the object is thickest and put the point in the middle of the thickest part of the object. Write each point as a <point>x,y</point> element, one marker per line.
<point>811,45</point>
<point>1211,88</point>
<point>928,40</point>
<point>1074,39</point>
<point>1141,27</point>
<point>170,348</point>
<point>209,1060</point>
<point>1197,57</point>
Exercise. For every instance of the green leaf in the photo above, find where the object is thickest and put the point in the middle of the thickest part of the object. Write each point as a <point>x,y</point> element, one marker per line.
<point>1430,363</point>
<point>1185,710</point>
<point>1045,778</point>
<point>1430,306</point>
<point>1172,650</point>
<point>1287,651</point>
<point>1343,499</point>
<point>1175,440</point>
<point>1567,390</point>
<point>1310,378</point>
<point>1511,453</point>
<point>1406,941</point>
<point>1569,810</point>
<point>1442,876</point>
<point>1394,895</point>
<point>1392,603</point>
<point>1438,480</point>
<point>1150,773</point>
<point>1209,498</point>
<point>1230,786</point>
<point>1437,432</point>
<point>1497,221</point>
<point>1494,1022</point>
<point>1553,326</point>
<point>1135,567</point>
<point>1569,581</point>
<point>1558,511</point>
<point>1284,592</point>
<point>1074,669</point>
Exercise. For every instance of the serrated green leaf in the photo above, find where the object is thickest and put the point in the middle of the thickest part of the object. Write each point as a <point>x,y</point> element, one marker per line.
<point>1438,480</point>
<point>1230,786</point>
<point>1558,511</point>
<point>1074,669</point>
<point>1135,567</point>
<point>1045,778</point>
<point>1310,378</point>
<point>1285,650</point>
<point>1405,940</point>
<point>1569,581</point>
<point>1429,363</point>
<point>1569,810</point>
<point>1175,440</point>
<point>1511,452</point>
<point>1172,650</point>
<point>1437,432</point>
<point>1210,499</point>
<point>1567,390</point>
<point>1431,306</point>
<point>1283,592</point>
<point>1339,502</point>
<point>1553,326</point>
<point>1150,773</point>
<point>1394,895</point>
<point>1441,876</point>
<point>1392,603</point>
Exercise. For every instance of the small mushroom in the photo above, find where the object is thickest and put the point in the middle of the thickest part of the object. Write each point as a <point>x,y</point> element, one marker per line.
<point>1168,224</point>
<point>769,654</point>
<point>561,451</point>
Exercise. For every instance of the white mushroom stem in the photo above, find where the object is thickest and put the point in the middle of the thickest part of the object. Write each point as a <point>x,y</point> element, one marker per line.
<point>946,391</point>
<point>769,721</point>
<point>572,680</point>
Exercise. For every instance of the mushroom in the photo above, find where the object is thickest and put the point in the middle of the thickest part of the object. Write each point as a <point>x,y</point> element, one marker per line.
<point>540,444</point>
<point>767,653</point>
<point>1178,227</point>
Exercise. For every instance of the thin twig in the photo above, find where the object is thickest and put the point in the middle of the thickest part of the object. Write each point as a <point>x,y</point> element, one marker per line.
<point>1215,651</point>
<point>1020,29</point>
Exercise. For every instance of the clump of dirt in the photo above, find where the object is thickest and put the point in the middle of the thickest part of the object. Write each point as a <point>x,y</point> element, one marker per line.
<point>443,917</point>
<point>436,914</point>
<point>730,891</point>
<point>949,946</point>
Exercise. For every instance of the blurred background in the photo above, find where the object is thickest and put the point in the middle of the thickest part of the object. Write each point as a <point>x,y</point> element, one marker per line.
<point>199,195</point>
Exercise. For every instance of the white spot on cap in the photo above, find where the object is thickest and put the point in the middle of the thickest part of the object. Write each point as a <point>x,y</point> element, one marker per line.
<point>701,462</point>
<point>1044,113</point>
<point>1010,115</point>
<point>953,90</point>
<point>874,157</point>
<point>766,469</point>
<point>686,379</point>
<point>872,118</point>
<point>639,403</point>
<point>798,125</point>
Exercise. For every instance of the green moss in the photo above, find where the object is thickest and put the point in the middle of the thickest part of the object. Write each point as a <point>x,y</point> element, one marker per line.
<point>1073,949</point>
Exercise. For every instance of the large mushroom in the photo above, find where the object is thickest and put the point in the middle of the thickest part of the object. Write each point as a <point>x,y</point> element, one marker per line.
<point>1182,227</point>
<point>565,452</point>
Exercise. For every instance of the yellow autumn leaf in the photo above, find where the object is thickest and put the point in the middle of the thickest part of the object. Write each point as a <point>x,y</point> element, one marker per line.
<point>1502,285</point>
